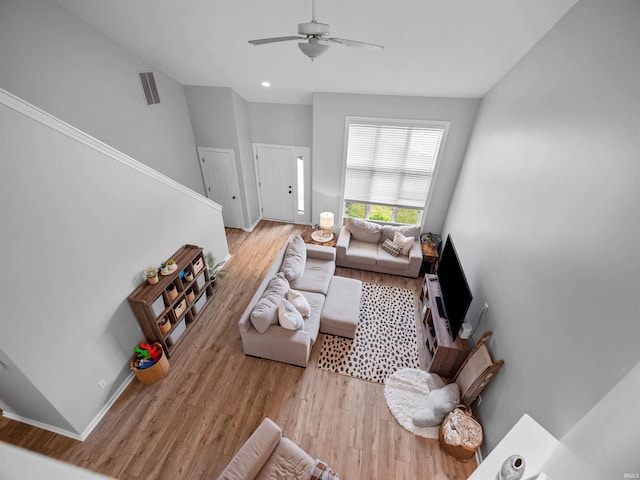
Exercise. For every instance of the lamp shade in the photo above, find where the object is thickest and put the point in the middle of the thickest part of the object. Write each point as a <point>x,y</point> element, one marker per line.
<point>326,220</point>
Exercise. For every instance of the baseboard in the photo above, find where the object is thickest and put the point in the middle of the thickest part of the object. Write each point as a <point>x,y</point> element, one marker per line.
<point>74,435</point>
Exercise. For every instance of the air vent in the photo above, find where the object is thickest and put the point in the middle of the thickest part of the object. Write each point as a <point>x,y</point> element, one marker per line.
<point>149,88</point>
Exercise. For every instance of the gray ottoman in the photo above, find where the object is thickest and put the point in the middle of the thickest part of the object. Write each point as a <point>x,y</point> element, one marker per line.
<point>341,307</point>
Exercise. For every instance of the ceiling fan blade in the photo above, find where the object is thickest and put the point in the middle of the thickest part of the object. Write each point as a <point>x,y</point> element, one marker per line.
<point>263,41</point>
<point>353,43</point>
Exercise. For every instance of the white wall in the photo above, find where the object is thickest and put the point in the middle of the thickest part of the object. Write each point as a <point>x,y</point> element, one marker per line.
<point>603,443</point>
<point>544,219</point>
<point>281,124</point>
<point>220,120</point>
<point>56,61</point>
<point>329,113</point>
<point>79,224</point>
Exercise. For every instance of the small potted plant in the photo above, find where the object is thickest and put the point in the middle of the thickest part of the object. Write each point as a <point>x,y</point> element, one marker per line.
<point>171,264</point>
<point>215,269</point>
<point>164,268</point>
<point>151,274</point>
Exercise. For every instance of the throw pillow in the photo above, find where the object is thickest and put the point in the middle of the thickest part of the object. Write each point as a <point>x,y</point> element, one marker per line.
<point>439,403</point>
<point>404,242</point>
<point>299,301</point>
<point>295,257</point>
<point>391,248</point>
<point>265,313</point>
<point>289,317</point>
<point>363,230</point>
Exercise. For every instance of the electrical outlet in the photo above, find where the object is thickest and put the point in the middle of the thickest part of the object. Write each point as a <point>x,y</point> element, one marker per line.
<point>485,308</point>
<point>102,383</point>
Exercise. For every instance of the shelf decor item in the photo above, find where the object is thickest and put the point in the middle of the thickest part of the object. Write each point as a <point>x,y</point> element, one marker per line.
<point>512,468</point>
<point>172,291</point>
<point>171,265</point>
<point>190,295</point>
<point>164,268</point>
<point>164,325</point>
<point>149,363</point>
<point>151,274</point>
<point>188,276</point>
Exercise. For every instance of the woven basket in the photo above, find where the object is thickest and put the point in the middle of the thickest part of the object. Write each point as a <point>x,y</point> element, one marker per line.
<point>461,452</point>
<point>155,372</point>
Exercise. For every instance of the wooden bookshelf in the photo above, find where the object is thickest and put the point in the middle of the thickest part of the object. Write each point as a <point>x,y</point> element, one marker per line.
<point>151,304</point>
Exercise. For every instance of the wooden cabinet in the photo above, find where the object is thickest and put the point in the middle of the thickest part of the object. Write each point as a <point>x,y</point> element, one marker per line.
<point>154,304</point>
<point>444,355</point>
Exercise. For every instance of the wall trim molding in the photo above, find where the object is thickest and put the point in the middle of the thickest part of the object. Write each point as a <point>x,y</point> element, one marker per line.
<point>71,434</point>
<point>31,111</point>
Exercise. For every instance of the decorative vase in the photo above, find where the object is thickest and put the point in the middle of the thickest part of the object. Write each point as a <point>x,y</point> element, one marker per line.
<point>153,280</point>
<point>512,468</point>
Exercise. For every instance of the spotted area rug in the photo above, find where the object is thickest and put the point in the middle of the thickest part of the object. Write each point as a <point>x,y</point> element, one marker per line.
<point>385,340</point>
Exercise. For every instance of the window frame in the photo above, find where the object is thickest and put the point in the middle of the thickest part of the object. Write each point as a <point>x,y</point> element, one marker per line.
<point>442,124</point>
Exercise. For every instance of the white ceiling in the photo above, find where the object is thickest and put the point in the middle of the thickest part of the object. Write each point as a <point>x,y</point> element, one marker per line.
<point>441,48</point>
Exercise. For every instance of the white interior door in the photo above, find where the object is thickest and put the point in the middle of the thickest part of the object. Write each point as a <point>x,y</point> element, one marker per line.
<point>221,181</point>
<point>277,182</point>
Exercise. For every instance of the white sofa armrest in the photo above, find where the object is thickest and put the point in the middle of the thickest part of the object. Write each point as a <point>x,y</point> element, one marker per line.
<point>342,245</point>
<point>320,252</point>
<point>250,459</point>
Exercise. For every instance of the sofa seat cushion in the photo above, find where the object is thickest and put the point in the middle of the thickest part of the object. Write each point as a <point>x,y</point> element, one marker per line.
<point>387,260</point>
<point>312,322</point>
<point>317,276</point>
<point>363,253</point>
<point>289,461</point>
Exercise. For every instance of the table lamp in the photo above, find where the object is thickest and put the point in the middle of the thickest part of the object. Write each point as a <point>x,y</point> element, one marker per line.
<point>326,223</point>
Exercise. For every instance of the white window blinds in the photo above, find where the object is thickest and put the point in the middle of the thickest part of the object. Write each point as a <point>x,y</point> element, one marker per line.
<point>390,164</point>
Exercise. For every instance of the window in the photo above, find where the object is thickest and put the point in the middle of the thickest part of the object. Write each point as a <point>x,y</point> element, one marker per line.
<point>389,168</point>
<point>300,183</point>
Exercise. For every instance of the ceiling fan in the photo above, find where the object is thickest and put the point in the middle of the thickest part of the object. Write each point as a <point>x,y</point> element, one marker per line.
<point>317,38</point>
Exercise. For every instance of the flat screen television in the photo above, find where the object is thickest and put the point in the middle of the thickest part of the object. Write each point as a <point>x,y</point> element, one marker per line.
<point>456,295</point>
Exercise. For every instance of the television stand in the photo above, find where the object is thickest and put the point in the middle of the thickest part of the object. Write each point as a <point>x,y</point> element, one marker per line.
<point>444,356</point>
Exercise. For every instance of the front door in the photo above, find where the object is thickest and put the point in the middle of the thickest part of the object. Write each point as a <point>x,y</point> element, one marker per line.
<point>221,182</point>
<point>277,187</point>
<point>284,182</point>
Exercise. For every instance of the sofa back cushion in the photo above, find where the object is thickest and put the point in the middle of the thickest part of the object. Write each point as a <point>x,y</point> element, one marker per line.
<point>363,230</point>
<point>265,313</point>
<point>389,231</point>
<point>294,260</point>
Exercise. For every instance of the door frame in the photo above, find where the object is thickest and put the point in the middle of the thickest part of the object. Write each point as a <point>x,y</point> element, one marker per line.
<point>296,151</point>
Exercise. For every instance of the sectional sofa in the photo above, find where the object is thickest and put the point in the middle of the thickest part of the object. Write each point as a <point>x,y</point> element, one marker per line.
<point>334,304</point>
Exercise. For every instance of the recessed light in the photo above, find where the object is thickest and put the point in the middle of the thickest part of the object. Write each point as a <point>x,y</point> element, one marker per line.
<point>266,84</point>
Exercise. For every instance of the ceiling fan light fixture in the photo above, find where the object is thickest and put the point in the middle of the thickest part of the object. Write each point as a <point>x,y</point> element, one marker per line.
<point>313,50</point>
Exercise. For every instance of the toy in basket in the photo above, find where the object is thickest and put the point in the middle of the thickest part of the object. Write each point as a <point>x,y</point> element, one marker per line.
<point>149,363</point>
<point>460,434</point>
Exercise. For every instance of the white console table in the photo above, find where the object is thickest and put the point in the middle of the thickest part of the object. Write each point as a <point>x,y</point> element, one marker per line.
<point>528,439</point>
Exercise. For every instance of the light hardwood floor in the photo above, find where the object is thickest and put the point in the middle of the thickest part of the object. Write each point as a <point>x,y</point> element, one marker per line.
<point>189,425</point>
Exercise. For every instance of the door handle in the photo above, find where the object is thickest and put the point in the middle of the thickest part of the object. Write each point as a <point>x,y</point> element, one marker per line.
<point>233,198</point>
